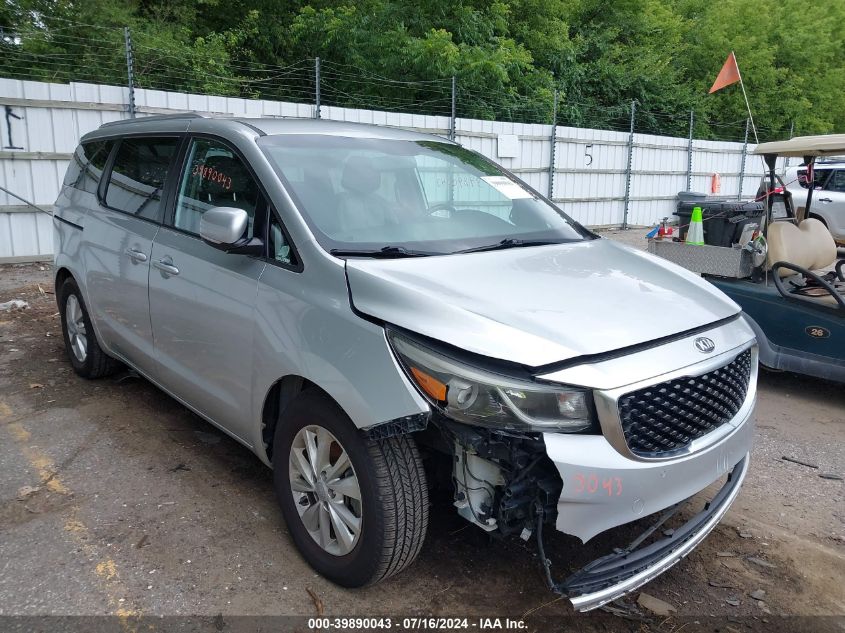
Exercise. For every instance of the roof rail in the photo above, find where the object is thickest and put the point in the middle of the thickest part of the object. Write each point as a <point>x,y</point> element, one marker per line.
<point>157,117</point>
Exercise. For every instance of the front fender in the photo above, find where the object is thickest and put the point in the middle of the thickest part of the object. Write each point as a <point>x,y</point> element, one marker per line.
<point>306,327</point>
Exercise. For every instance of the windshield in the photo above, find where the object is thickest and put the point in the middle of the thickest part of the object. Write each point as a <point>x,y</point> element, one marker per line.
<point>390,198</point>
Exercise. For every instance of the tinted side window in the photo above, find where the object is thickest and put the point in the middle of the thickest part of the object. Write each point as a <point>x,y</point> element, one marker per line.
<point>214,176</point>
<point>819,176</point>
<point>87,164</point>
<point>837,181</point>
<point>137,177</point>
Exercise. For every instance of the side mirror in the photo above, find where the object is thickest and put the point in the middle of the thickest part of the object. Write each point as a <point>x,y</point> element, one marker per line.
<point>225,228</point>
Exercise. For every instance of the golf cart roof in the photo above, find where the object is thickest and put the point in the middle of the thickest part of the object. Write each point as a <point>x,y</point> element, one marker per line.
<point>824,145</point>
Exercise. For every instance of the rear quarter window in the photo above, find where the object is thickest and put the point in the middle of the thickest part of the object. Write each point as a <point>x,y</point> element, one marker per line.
<point>87,165</point>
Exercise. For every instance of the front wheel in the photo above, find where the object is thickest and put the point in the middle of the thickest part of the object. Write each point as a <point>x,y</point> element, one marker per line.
<point>356,508</point>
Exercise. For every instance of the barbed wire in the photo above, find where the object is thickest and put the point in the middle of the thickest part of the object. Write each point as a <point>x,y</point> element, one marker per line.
<point>360,72</point>
<point>74,51</point>
<point>73,24</point>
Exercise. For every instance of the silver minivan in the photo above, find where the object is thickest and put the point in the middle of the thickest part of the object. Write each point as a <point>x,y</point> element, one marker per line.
<point>375,311</point>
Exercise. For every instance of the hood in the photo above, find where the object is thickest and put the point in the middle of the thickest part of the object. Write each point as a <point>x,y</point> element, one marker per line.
<point>537,305</point>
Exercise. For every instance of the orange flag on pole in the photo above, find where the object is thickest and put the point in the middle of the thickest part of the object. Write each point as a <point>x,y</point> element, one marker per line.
<point>728,75</point>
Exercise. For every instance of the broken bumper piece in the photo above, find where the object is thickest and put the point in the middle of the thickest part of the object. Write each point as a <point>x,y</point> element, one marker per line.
<point>617,574</point>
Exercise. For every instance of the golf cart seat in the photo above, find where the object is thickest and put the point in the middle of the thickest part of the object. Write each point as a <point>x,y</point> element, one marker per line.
<point>809,245</point>
<point>799,252</point>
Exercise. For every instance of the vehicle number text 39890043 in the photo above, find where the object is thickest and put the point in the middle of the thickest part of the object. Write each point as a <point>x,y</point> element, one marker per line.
<point>398,624</point>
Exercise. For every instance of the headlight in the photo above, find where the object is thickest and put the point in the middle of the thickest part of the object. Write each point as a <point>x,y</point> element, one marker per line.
<point>481,398</point>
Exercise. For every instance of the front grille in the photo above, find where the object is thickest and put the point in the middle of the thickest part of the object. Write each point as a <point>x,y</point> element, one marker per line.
<point>663,419</point>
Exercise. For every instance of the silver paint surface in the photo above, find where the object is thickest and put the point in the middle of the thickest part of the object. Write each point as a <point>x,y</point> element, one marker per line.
<point>223,225</point>
<point>202,319</point>
<point>540,305</point>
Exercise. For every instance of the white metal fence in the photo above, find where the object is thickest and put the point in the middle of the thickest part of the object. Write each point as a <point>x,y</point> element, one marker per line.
<point>600,177</point>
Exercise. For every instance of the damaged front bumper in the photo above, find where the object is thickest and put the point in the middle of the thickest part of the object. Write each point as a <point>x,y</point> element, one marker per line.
<point>603,488</point>
<point>617,574</point>
<point>605,485</point>
<point>513,482</point>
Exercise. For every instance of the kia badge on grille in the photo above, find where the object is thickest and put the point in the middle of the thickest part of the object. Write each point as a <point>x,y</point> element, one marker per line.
<point>704,344</point>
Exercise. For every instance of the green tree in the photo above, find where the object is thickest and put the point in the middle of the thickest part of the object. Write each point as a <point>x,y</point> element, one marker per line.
<point>790,55</point>
<point>509,56</point>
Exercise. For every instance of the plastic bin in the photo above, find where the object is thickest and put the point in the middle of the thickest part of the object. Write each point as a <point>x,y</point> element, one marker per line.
<point>723,220</point>
<point>685,196</point>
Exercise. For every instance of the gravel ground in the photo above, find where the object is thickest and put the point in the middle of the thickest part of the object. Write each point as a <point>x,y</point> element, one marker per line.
<point>631,237</point>
<point>116,500</point>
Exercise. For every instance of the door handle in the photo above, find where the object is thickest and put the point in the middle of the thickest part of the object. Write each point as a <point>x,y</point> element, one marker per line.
<point>825,200</point>
<point>166,266</point>
<point>137,256</point>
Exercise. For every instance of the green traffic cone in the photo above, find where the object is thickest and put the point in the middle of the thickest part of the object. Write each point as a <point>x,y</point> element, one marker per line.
<point>695,233</point>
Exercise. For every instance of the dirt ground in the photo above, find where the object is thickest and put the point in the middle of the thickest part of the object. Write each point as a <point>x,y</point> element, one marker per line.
<point>114,499</point>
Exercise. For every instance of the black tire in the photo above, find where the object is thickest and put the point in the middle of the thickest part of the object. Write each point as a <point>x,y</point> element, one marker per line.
<point>96,363</point>
<point>394,496</point>
<point>819,218</point>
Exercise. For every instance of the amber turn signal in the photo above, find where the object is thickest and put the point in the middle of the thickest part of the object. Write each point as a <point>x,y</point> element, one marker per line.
<point>429,384</point>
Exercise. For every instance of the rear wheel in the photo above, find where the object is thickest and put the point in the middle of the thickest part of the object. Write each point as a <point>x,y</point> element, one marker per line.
<point>356,508</point>
<point>83,349</point>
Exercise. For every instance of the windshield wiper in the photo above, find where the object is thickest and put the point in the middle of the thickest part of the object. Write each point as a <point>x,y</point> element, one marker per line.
<point>510,242</point>
<point>388,252</point>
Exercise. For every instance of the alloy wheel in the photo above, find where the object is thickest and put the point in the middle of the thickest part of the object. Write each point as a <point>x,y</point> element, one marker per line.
<point>76,332</point>
<point>325,490</point>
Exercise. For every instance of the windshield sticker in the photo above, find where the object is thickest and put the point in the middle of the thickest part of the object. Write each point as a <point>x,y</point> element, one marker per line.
<point>506,187</point>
